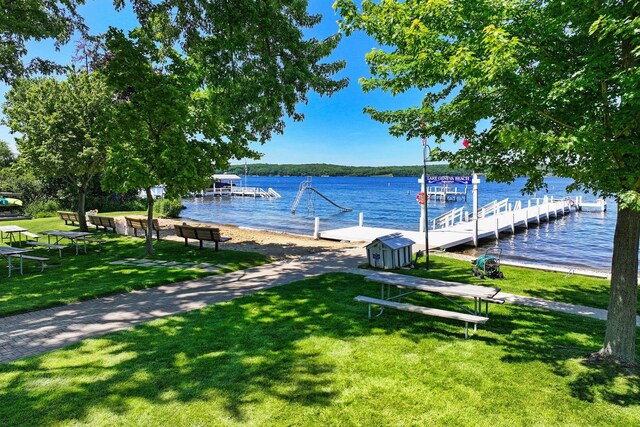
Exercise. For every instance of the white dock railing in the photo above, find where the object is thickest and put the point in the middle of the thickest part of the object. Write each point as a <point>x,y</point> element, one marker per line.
<point>449,219</point>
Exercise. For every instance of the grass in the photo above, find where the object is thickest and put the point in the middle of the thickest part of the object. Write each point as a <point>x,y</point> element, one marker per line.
<point>75,278</point>
<point>305,354</point>
<point>572,289</point>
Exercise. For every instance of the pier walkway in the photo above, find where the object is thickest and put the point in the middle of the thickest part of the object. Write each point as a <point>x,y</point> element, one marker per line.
<point>458,228</point>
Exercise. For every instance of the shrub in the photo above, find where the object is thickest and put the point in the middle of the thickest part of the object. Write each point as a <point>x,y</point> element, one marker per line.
<point>42,208</point>
<point>168,208</point>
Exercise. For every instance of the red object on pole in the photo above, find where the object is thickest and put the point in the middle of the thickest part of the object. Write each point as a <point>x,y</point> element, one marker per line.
<point>465,143</point>
<point>420,198</point>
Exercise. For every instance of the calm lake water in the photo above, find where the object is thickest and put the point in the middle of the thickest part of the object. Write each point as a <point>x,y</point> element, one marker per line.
<point>582,239</point>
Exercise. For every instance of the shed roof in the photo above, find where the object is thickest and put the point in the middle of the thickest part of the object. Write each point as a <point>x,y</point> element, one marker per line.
<point>394,241</point>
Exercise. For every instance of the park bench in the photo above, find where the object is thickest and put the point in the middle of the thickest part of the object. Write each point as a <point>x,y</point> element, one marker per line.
<point>49,246</point>
<point>141,224</point>
<point>427,311</point>
<point>200,233</point>
<point>103,221</point>
<point>69,217</point>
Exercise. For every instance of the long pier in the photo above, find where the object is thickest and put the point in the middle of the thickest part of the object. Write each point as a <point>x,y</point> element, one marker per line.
<point>458,227</point>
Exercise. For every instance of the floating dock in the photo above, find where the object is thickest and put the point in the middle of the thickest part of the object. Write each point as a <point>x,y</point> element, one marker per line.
<point>446,193</point>
<point>457,228</point>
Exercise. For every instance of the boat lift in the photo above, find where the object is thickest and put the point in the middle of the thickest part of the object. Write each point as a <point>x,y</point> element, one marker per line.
<point>306,187</point>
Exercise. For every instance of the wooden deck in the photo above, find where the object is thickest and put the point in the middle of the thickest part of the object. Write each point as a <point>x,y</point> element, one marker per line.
<point>462,232</point>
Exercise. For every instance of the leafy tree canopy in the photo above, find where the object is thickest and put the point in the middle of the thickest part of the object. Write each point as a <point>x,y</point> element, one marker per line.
<point>25,20</point>
<point>62,125</point>
<point>559,84</point>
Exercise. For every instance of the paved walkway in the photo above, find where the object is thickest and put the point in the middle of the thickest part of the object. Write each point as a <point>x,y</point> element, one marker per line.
<point>45,330</point>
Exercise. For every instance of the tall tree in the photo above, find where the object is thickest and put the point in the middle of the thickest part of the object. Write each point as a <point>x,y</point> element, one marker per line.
<point>241,67</point>
<point>62,126</point>
<point>6,155</point>
<point>25,20</point>
<point>557,82</point>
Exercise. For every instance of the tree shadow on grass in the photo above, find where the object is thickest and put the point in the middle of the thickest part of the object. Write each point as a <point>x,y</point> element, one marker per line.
<point>240,352</point>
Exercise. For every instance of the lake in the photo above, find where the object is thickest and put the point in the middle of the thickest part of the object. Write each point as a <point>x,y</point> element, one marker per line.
<point>581,240</point>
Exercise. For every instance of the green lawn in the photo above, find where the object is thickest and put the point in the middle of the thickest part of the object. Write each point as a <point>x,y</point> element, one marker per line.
<point>74,278</point>
<point>572,289</point>
<point>306,354</point>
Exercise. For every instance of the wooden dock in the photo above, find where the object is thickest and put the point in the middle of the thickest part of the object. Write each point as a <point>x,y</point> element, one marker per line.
<point>465,230</point>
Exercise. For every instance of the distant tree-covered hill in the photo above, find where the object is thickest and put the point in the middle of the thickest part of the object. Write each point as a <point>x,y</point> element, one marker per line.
<point>320,169</point>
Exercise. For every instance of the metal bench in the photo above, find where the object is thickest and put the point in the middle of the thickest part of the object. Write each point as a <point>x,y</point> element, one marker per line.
<point>69,217</point>
<point>30,235</point>
<point>38,259</point>
<point>141,224</point>
<point>103,221</point>
<point>49,246</point>
<point>200,233</point>
<point>427,311</point>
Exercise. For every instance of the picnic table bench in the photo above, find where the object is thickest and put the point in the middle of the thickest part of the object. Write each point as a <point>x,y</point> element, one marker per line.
<point>37,259</point>
<point>69,217</point>
<point>200,233</point>
<point>141,224</point>
<point>103,221</point>
<point>49,246</point>
<point>479,294</point>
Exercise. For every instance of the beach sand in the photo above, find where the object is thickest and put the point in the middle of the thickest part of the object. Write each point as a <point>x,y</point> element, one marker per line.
<point>277,245</point>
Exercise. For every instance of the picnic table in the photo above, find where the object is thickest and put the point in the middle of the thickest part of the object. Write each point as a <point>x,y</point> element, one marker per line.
<point>9,252</point>
<point>407,285</point>
<point>75,237</point>
<point>10,230</point>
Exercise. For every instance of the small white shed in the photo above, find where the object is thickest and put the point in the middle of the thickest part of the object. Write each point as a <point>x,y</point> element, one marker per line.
<point>390,252</point>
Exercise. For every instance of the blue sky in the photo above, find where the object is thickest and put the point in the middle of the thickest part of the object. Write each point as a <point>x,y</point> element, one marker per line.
<point>335,129</point>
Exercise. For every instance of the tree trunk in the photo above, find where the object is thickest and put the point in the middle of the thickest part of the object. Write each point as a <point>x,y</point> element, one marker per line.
<point>620,336</point>
<point>149,236</point>
<point>82,219</point>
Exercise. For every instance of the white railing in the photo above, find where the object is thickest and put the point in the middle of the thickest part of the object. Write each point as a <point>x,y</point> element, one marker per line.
<point>448,219</point>
<point>493,208</point>
<point>273,193</point>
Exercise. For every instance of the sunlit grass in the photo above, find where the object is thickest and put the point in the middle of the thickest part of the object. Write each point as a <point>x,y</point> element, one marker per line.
<point>85,276</point>
<point>306,354</point>
<point>562,287</point>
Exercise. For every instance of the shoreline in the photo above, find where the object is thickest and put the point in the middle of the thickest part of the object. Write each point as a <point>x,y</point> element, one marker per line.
<point>285,245</point>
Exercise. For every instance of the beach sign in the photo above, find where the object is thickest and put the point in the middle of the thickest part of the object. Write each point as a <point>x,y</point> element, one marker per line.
<point>448,180</point>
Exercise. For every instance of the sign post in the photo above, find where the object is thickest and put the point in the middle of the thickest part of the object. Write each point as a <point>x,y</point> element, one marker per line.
<point>475,181</point>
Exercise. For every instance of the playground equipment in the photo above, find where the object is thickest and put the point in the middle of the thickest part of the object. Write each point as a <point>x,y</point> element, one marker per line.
<point>307,188</point>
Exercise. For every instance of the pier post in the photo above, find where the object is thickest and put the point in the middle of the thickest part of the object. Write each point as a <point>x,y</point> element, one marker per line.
<point>423,181</point>
<point>361,219</point>
<point>474,191</point>
<point>316,228</point>
<point>546,205</point>
<point>497,230</point>
<point>513,223</point>
<point>529,203</point>
<point>538,215</point>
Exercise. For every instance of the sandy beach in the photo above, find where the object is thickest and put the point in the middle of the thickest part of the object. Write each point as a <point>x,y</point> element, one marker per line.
<point>275,244</point>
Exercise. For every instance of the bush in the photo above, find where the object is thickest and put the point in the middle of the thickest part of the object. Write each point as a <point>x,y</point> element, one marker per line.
<point>42,208</point>
<point>168,208</point>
